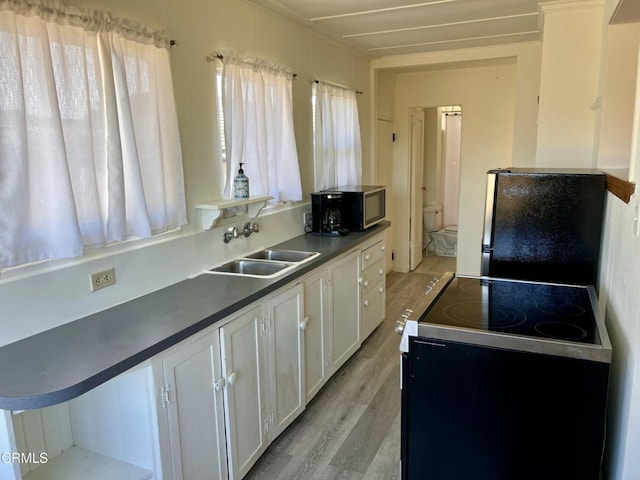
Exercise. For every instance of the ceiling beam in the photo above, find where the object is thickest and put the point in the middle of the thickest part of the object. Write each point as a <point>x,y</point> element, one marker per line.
<point>440,25</point>
<point>382,10</point>
<point>466,39</point>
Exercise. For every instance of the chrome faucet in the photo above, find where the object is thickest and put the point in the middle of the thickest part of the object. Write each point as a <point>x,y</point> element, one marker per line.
<point>231,233</point>
<point>250,227</point>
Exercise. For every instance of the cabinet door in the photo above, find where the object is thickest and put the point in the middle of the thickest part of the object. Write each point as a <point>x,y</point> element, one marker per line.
<point>286,358</point>
<point>243,367</point>
<point>316,339</point>
<point>373,298</point>
<point>195,411</point>
<point>344,306</point>
<point>373,309</point>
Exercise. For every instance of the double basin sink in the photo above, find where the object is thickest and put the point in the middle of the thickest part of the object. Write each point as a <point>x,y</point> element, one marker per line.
<point>267,263</point>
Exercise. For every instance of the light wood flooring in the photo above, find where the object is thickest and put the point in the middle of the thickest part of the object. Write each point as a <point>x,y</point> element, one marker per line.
<point>351,429</point>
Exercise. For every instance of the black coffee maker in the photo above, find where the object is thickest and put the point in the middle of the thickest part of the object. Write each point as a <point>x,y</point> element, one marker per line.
<point>326,213</point>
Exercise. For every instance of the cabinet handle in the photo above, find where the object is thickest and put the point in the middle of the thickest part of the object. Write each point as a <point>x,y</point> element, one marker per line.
<point>366,303</point>
<point>381,290</point>
<point>381,271</point>
<point>366,283</point>
<point>367,256</point>
<point>382,248</point>
<point>304,323</point>
<point>219,384</point>
<point>360,280</point>
<point>232,378</point>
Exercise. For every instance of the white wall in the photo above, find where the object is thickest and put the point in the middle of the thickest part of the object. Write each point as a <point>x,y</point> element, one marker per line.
<point>569,83</point>
<point>619,280</point>
<point>487,97</point>
<point>618,92</point>
<point>40,297</point>
<point>520,136</point>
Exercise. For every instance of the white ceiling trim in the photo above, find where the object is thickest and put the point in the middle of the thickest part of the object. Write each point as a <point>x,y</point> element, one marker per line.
<point>467,39</point>
<point>441,25</point>
<point>381,10</point>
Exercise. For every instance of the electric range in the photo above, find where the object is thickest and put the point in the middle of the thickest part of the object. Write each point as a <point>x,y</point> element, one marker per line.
<point>530,316</point>
<point>503,379</point>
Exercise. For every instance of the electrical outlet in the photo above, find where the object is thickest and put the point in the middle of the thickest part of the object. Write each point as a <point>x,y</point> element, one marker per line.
<point>306,217</point>
<point>103,279</point>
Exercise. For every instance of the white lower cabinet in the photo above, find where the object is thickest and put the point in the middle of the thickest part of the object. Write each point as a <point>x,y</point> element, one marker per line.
<point>317,342</point>
<point>193,424</point>
<point>372,285</point>
<point>286,357</point>
<point>344,308</point>
<point>332,319</point>
<point>245,392</point>
<point>263,363</point>
<point>228,394</point>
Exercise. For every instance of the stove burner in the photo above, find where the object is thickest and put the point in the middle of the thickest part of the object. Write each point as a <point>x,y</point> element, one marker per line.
<point>561,330</point>
<point>560,292</point>
<point>562,309</point>
<point>470,287</point>
<point>469,314</point>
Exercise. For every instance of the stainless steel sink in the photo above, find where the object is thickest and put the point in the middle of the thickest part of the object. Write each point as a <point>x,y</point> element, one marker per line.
<point>254,268</point>
<point>267,263</point>
<point>294,256</point>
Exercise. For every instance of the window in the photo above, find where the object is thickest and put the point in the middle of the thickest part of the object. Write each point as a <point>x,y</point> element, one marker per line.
<point>89,144</point>
<point>257,114</point>
<point>336,136</point>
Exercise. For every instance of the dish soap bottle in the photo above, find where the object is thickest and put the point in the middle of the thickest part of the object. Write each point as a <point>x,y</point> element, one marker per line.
<point>241,184</point>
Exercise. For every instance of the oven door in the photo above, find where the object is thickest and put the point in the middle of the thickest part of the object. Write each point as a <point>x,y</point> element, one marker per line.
<point>471,411</point>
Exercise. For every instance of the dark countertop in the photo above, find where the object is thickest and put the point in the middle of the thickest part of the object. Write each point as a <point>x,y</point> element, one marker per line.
<point>62,363</point>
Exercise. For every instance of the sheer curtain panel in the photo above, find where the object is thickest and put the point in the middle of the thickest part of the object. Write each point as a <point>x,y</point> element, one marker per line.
<point>89,143</point>
<point>337,144</point>
<point>258,121</point>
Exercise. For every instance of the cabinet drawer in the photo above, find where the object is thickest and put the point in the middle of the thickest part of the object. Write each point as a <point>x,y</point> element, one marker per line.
<point>372,276</point>
<point>373,306</point>
<point>372,254</point>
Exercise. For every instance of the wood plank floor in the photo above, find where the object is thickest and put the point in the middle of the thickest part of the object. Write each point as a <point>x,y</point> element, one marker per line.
<point>351,429</point>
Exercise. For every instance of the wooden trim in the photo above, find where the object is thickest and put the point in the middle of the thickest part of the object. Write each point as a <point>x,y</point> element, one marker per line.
<point>619,186</point>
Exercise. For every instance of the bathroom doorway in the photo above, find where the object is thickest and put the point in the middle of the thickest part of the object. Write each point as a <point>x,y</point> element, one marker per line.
<point>435,208</point>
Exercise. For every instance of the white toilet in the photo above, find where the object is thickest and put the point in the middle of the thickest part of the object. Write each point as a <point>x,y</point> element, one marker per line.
<point>432,223</point>
<point>445,241</point>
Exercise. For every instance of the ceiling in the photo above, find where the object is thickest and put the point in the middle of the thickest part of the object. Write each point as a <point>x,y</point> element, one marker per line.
<point>391,27</point>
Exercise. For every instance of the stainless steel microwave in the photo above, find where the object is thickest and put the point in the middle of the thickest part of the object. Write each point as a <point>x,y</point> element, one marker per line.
<point>362,206</point>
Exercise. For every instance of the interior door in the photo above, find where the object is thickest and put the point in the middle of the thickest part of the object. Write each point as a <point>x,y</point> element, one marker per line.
<point>415,187</point>
<point>384,176</point>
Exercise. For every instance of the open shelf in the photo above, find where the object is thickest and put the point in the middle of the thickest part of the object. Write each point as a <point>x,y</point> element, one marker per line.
<point>77,463</point>
<point>208,213</point>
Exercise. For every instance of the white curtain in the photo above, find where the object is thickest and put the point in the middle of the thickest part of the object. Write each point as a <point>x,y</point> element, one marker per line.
<point>258,118</point>
<point>337,144</point>
<point>89,143</point>
<point>451,156</point>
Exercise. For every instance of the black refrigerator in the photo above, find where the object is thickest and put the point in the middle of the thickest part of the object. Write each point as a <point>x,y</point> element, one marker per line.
<point>543,225</point>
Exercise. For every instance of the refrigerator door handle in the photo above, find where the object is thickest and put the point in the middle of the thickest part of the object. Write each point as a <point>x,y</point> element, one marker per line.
<point>487,246</point>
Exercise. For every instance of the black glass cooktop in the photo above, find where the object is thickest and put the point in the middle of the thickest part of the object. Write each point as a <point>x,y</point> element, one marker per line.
<point>530,309</point>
